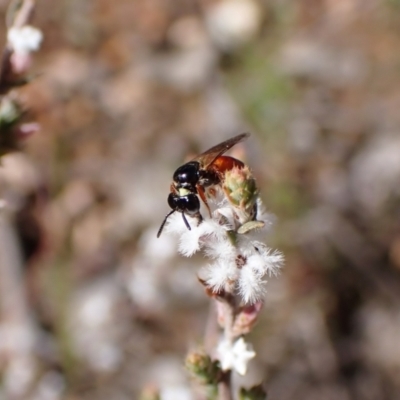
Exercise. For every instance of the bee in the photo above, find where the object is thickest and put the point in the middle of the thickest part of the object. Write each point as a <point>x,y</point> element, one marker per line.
<point>191,179</point>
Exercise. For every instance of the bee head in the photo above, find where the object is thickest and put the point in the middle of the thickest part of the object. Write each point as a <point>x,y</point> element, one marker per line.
<point>188,204</point>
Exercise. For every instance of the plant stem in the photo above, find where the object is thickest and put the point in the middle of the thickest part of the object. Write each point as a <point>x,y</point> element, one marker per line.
<point>229,312</point>
<point>224,387</point>
<point>24,13</point>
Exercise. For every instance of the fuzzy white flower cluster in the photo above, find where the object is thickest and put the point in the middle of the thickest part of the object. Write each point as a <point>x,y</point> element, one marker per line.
<point>240,260</point>
<point>24,40</point>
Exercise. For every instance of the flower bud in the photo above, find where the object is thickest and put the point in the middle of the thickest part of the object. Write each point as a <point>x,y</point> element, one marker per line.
<point>246,318</point>
<point>202,367</point>
<point>241,190</point>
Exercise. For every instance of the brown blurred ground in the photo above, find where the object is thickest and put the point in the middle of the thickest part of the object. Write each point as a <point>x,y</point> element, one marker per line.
<point>127,89</point>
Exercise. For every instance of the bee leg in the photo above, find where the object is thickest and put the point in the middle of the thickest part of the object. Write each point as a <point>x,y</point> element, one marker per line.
<point>199,219</point>
<point>255,211</point>
<point>202,195</point>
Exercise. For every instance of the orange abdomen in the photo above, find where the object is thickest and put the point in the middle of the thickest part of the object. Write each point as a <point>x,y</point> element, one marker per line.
<point>226,163</point>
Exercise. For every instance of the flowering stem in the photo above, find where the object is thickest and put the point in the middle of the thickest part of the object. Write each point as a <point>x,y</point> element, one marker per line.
<point>228,311</point>
<point>228,307</point>
<point>232,236</point>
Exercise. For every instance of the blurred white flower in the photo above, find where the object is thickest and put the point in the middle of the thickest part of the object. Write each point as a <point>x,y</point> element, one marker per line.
<point>19,375</point>
<point>50,387</point>
<point>25,39</point>
<point>176,393</point>
<point>235,356</point>
<point>91,322</point>
<point>232,23</point>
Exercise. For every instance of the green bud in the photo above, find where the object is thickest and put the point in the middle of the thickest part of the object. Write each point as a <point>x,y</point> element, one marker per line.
<point>241,189</point>
<point>255,393</point>
<point>9,112</point>
<point>202,367</point>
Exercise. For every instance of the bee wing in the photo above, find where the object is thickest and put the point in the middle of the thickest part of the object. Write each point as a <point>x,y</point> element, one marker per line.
<point>209,156</point>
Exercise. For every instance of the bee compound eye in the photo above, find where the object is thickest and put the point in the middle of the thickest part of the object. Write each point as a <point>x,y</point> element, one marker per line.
<point>172,200</point>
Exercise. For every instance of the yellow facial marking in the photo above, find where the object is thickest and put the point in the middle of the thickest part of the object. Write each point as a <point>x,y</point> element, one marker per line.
<point>183,192</point>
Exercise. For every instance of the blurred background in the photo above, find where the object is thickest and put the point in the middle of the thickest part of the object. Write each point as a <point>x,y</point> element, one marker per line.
<point>93,306</point>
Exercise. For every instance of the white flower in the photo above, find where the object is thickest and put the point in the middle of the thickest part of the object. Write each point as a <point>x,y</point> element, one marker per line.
<point>25,39</point>
<point>193,240</point>
<point>219,274</point>
<point>259,263</point>
<point>235,356</point>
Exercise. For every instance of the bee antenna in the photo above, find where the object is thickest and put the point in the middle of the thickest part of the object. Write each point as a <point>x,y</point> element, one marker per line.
<point>163,223</point>
<point>186,221</point>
